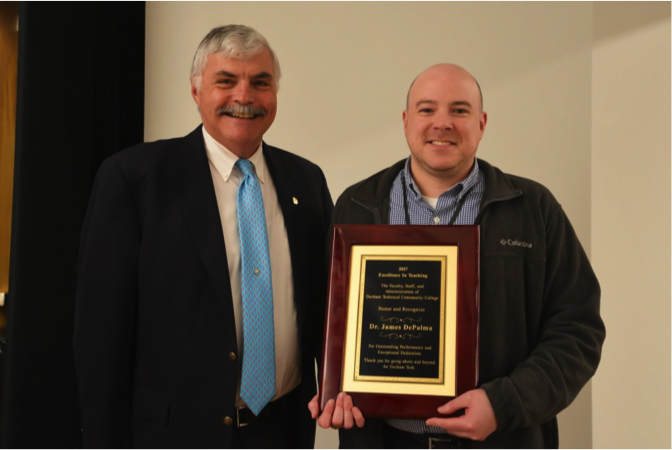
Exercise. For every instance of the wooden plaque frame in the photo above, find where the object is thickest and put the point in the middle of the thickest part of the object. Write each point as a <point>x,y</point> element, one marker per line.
<point>375,404</point>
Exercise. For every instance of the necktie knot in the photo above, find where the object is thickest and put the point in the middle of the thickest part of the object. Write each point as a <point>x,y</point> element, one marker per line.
<point>245,167</point>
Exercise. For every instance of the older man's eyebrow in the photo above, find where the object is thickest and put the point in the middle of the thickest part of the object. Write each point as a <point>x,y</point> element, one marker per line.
<point>263,75</point>
<point>461,103</point>
<point>224,73</point>
<point>259,76</point>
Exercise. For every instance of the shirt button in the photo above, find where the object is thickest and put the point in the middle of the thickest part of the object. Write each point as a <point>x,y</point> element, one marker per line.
<point>233,357</point>
<point>228,421</point>
<point>437,219</point>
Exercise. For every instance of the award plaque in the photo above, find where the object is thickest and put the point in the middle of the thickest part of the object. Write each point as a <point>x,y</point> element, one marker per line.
<point>401,328</point>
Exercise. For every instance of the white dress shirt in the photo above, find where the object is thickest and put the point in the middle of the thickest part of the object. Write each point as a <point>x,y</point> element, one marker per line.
<point>226,179</point>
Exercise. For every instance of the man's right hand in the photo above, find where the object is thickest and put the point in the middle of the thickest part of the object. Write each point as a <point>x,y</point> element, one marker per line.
<point>337,414</point>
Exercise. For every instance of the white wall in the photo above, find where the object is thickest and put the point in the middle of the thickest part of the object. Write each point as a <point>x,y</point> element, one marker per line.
<point>347,67</point>
<point>631,222</point>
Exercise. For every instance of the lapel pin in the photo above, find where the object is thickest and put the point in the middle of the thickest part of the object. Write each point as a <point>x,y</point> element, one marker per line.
<point>296,202</point>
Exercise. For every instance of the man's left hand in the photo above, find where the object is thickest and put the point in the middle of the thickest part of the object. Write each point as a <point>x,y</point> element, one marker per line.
<point>478,421</point>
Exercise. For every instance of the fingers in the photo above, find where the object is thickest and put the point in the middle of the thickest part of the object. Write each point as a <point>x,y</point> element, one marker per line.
<point>338,417</point>
<point>358,417</point>
<point>324,420</point>
<point>347,411</point>
<point>454,405</point>
<point>314,408</point>
<point>339,413</point>
<point>477,423</point>
<point>447,424</point>
<point>456,426</point>
<point>351,414</point>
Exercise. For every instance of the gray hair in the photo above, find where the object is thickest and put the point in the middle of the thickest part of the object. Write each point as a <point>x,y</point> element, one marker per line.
<point>231,41</point>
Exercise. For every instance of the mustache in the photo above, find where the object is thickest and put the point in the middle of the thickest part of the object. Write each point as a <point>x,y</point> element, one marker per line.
<point>241,110</point>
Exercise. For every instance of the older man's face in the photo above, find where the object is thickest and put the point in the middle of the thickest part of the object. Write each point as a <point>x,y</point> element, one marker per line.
<point>237,100</point>
<point>443,123</point>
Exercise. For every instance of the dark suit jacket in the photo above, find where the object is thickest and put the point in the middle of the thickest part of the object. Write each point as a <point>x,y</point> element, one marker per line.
<point>155,329</point>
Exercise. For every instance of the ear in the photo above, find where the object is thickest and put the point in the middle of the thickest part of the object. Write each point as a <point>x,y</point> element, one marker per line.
<point>404,117</point>
<point>484,121</point>
<point>194,92</point>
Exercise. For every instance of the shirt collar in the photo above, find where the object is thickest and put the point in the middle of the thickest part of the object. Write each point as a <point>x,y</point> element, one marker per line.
<point>224,160</point>
<point>461,188</point>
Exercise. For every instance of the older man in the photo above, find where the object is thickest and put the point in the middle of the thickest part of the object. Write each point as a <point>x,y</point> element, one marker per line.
<point>540,332</point>
<point>200,274</point>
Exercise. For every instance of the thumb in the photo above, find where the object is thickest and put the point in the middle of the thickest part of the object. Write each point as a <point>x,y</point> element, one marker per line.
<point>453,406</point>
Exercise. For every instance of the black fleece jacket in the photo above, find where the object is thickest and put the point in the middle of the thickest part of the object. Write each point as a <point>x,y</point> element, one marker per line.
<point>541,333</point>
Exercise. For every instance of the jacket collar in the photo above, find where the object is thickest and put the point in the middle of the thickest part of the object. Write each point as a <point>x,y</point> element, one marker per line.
<point>373,193</point>
<point>498,186</point>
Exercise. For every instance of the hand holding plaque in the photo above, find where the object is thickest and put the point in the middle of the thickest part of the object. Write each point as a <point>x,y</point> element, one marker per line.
<point>338,413</point>
<point>401,328</point>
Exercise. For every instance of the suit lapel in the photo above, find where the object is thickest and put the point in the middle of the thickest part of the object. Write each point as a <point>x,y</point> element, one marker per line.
<point>196,196</point>
<point>288,188</point>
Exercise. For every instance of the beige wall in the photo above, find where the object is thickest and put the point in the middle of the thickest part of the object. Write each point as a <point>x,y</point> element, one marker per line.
<point>631,222</point>
<point>346,70</point>
<point>347,67</point>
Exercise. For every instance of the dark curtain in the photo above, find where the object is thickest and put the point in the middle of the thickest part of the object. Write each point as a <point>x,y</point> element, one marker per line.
<point>80,99</point>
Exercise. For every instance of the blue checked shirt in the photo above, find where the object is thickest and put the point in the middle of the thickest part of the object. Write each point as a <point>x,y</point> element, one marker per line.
<point>421,213</point>
<point>470,191</point>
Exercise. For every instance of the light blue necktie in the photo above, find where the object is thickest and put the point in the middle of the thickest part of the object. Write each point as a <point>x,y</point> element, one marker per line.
<point>258,378</point>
